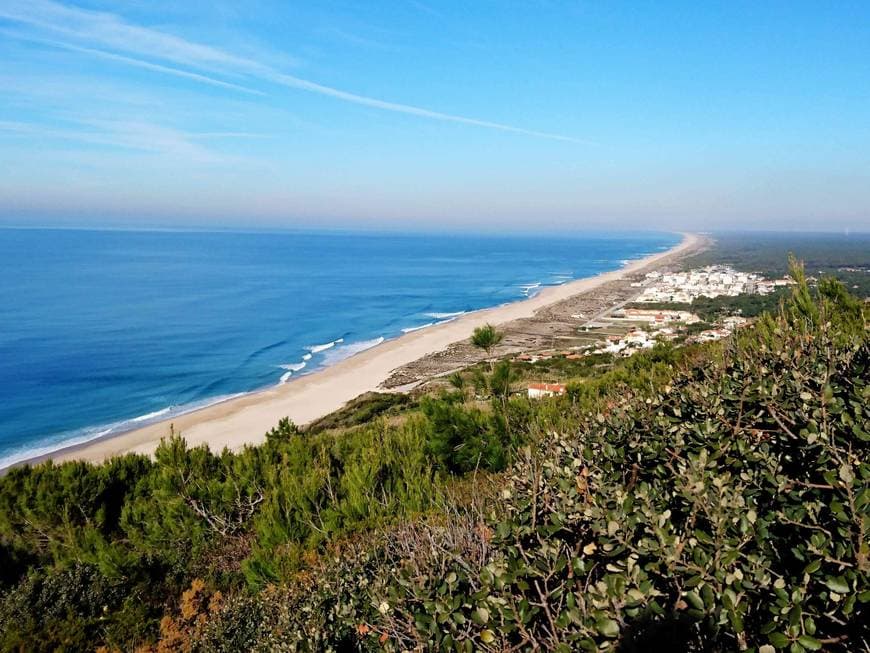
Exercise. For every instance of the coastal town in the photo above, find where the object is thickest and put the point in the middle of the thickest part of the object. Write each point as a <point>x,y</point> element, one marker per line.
<point>711,281</point>
<point>641,323</point>
<point>649,325</point>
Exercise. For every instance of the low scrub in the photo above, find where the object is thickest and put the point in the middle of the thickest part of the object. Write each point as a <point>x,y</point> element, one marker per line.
<point>727,509</point>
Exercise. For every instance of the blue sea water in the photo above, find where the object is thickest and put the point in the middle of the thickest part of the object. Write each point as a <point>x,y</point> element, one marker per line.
<point>104,331</point>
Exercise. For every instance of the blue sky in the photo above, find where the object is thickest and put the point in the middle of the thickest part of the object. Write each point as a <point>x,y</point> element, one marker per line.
<point>418,114</point>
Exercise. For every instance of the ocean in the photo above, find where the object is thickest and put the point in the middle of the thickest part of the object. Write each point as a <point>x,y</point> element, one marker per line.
<point>105,331</point>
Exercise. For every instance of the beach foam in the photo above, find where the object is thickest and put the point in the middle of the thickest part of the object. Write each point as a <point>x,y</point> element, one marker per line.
<point>417,328</point>
<point>148,416</point>
<point>452,317</point>
<point>348,350</point>
<point>530,289</point>
<point>316,349</point>
<point>291,368</point>
<point>442,316</point>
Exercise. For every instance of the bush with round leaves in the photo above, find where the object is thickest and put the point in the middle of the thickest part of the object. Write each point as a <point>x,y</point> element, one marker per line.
<point>726,510</point>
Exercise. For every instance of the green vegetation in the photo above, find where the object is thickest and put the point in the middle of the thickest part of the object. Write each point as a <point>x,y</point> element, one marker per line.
<point>705,498</point>
<point>486,337</point>
<point>363,409</point>
<point>559,368</point>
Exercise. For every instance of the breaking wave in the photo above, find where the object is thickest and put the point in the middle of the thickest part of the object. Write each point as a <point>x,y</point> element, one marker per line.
<point>316,349</point>
<point>443,316</point>
<point>351,349</point>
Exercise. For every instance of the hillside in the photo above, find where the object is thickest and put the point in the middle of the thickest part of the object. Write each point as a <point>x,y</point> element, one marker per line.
<point>705,498</point>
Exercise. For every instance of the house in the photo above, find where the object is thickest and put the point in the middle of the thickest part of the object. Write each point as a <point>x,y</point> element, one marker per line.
<point>712,334</point>
<point>541,390</point>
<point>734,322</point>
<point>659,316</point>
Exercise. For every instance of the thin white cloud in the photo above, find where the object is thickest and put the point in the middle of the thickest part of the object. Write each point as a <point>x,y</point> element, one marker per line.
<point>303,84</point>
<point>136,63</point>
<point>112,32</point>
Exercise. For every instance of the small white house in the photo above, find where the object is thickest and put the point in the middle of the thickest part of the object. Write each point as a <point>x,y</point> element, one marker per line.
<point>541,390</point>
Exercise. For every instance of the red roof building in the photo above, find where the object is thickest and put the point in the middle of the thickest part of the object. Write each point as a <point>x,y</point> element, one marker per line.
<point>538,390</point>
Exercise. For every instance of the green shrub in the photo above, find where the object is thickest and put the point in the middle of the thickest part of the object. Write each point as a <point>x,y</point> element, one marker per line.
<point>725,509</point>
<point>730,509</point>
<point>61,611</point>
<point>321,486</point>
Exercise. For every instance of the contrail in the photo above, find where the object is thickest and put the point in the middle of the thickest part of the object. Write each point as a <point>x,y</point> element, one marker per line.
<point>130,61</point>
<point>99,21</point>
<point>313,87</point>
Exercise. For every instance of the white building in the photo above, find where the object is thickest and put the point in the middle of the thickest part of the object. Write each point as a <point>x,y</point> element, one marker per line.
<point>712,281</point>
<point>628,344</point>
<point>541,390</point>
<point>654,316</point>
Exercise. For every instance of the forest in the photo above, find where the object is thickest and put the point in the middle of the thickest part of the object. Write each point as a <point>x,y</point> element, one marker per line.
<point>702,498</point>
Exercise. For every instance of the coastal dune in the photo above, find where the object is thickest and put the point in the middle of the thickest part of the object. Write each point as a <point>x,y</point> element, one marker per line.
<point>246,419</point>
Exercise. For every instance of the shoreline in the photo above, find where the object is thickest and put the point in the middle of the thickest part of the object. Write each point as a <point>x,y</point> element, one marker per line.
<point>242,420</point>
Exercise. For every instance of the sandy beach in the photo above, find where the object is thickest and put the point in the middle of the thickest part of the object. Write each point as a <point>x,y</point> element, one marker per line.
<point>246,419</point>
